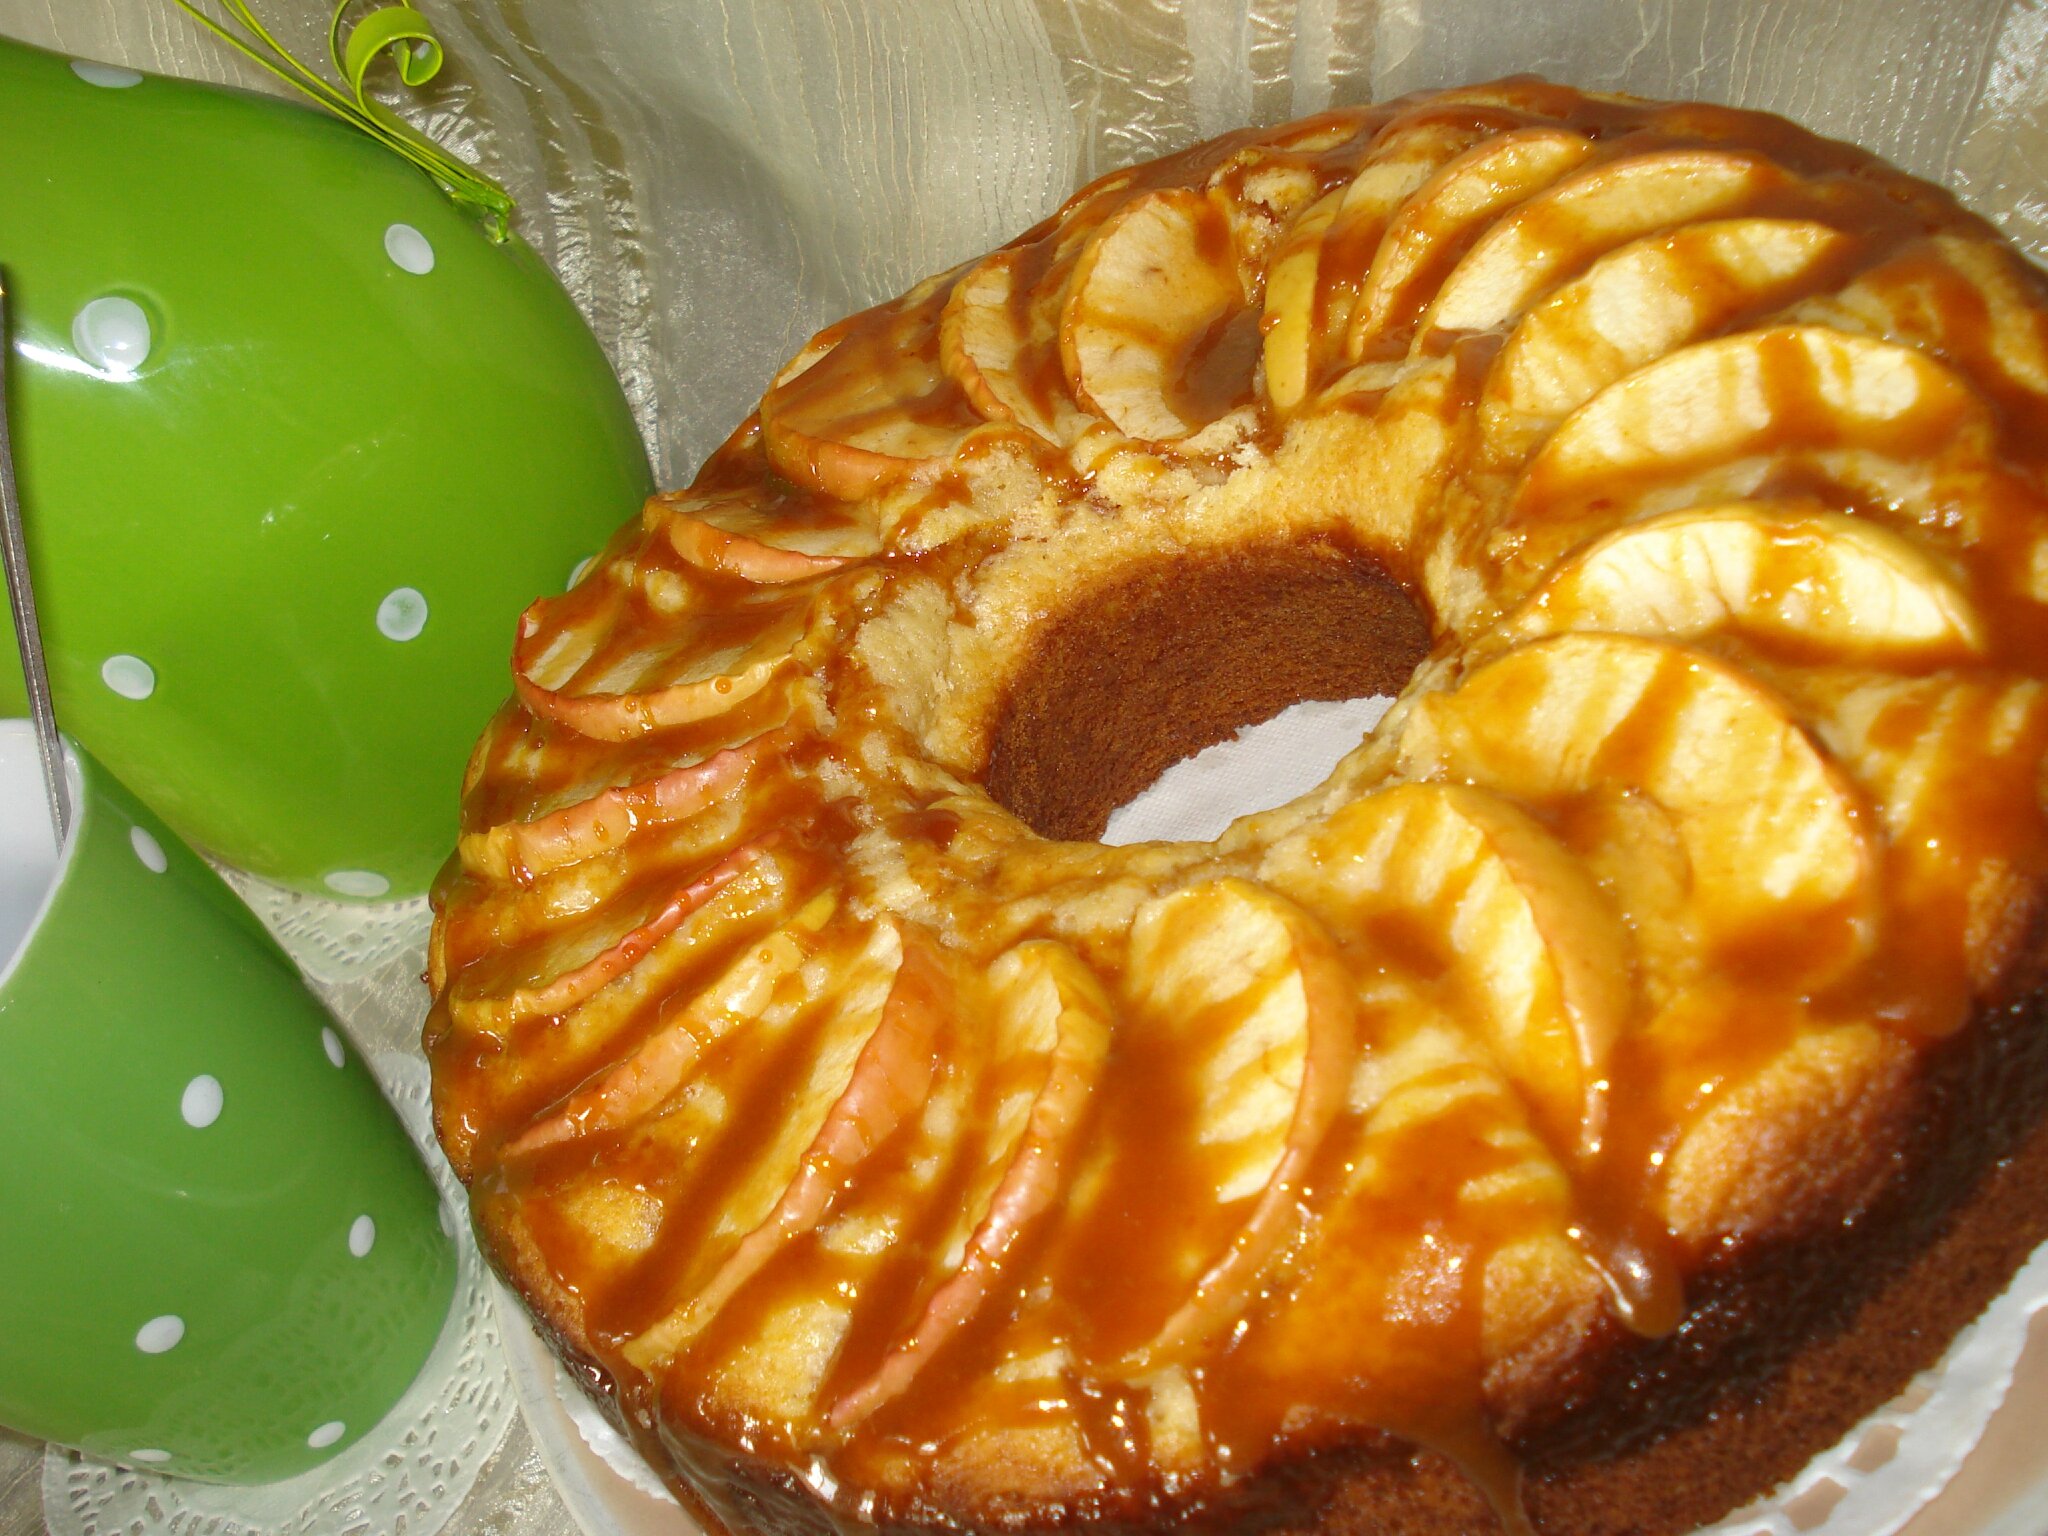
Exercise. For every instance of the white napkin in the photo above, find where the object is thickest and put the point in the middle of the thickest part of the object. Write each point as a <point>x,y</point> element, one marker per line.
<point>1262,766</point>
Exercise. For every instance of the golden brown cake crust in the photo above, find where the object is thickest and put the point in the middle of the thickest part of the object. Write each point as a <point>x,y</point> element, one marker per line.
<point>1622,1074</point>
<point>1785,1351</point>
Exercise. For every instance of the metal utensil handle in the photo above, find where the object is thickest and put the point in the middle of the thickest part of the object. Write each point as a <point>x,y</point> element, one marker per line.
<point>21,598</point>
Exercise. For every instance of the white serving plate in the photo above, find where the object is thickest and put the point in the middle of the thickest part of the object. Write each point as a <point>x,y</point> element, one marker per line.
<point>601,1500</point>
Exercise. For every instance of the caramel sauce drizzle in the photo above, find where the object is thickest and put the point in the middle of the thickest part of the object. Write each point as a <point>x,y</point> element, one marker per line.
<point>1372,1316</point>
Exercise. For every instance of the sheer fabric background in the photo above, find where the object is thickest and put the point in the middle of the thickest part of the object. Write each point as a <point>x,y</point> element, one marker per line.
<point>715,179</point>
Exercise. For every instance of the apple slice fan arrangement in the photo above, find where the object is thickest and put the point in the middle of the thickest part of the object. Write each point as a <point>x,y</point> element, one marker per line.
<point>1589,1109</point>
<point>296,424</point>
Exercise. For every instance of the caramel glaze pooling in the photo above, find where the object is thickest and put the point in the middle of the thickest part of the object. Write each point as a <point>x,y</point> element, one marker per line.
<point>885,1153</point>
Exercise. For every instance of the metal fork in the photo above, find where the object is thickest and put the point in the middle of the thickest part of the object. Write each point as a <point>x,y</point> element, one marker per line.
<point>21,598</point>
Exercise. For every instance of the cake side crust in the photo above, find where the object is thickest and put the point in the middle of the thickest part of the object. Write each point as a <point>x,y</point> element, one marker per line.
<point>1780,1358</point>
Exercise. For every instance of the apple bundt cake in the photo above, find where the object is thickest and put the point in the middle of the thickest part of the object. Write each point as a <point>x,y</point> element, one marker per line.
<point>1623,1072</point>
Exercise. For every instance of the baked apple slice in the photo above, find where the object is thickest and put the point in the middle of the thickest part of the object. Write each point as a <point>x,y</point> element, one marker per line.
<point>1633,306</point>
<point>1151,297</point>
<point>705,1164</point>
<point>1320,264</point>
<point>631,1089</point>
<point>509,1081</point>
<point>1554,235</point>
<point>1260,190</point>
<point>999,338</point>
<point>1050,1032</point>
<point>651,649</point>
<point>525,823</point>
<point>1792,574</point>
<point>1778,874</point>
<point>1441,220</point>
<point>1767,392</point>
<point>1953,762</point>
<point>866,1072</point>
<point>1971,301</point>
<point>1448,1242</point>
<point>748,537</point>
<point>858,413</point>
<point>999,334</point>
<point>521,851</point>
<point>1477,903</point>
<point>608,892</point>
<point>568,960</point>
<point>983,336</point>
<point>1238,1032</point>
<point>1295,343</point>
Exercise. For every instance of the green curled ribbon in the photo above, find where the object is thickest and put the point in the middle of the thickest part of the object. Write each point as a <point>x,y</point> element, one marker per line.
<point>395,32</point>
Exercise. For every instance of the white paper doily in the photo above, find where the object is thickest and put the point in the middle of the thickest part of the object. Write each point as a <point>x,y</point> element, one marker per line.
<point>405,1478</point>
<point>1880,1475</point>
<point>1904,1454</point>
<point>330,940</point>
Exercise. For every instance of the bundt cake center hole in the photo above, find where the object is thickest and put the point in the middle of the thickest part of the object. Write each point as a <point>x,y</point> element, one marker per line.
<point>1167,660</point>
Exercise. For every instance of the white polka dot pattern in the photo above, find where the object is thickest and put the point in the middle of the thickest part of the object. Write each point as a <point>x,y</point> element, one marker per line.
<point>326,1434</point>
<point>201,1101</point>
<point>362,883</point>
<point>362,1236</point>
<point>160,1334</point>
<point>113,77</point>
<point>411,1473</point>
<point>112,334</point>
<point>330,1042</point>
<point>409,250</point>
<point>148,850</point>
<point>129,676</point>
<point>402,614</point>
